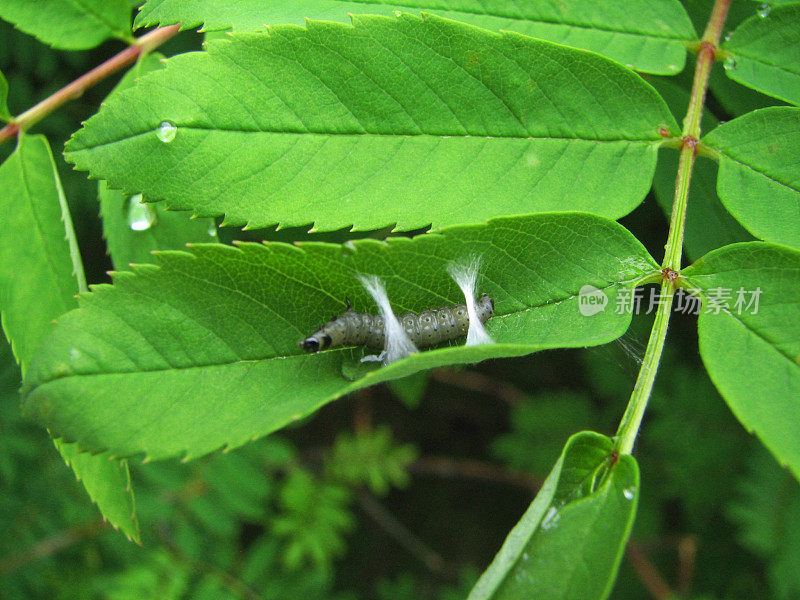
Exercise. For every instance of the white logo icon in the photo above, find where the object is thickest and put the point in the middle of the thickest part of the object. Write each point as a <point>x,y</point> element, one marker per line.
<point>591,300</point>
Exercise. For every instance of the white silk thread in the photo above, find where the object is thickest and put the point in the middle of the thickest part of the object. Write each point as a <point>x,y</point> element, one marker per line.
<point>465,274</point>
<point>396,343</point>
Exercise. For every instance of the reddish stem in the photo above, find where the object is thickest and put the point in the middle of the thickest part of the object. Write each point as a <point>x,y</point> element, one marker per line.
<point>648,574</point>
<point>71,91</point>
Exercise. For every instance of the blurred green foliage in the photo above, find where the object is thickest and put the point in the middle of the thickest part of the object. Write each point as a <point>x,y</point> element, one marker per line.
<point>279,519</point>
<point>371,458</point>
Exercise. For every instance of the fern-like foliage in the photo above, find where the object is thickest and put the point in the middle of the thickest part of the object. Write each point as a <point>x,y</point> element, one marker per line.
<point>314,518</point>
<point>767,510</point>
<point>372,458</point>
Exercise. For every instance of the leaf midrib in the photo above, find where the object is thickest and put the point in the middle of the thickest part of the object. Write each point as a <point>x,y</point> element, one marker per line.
<point>41,237</point>
<point>29,390</point>
<point>725,154</point>
<point>86,148</point>
<point>760,60</point>
<point>700,291</point>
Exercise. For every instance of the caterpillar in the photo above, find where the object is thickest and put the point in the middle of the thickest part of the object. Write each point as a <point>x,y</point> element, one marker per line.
<point>426,329</point>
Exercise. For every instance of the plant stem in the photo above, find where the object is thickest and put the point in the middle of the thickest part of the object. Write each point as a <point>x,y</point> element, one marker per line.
<point>476,470</point>
<point>71,91</point>
<point>52,545</point>
<point>632,419</point>
<point>434,562</point>
<point>648,574</point>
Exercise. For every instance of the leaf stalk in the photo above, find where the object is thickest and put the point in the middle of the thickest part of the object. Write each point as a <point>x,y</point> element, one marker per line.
<point>642,390</point>
<point>75,89</point>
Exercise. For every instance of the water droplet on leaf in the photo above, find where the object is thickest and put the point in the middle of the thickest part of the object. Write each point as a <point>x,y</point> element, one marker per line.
<point>166,132</point>
<point>629,493</point>
<point>212,229</point>
<point>140,216</point>
<point>763,10</point>
<point>728,36</point>
<point>730,63</point>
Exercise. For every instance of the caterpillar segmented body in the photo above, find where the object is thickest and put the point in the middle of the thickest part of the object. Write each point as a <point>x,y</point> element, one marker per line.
<point>426,329</point>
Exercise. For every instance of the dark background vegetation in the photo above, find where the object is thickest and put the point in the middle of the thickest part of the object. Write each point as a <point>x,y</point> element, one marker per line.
<point>399,492</point>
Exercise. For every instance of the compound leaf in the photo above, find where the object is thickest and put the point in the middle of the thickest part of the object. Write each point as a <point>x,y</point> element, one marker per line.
<point>70,24</point>
<point>202,351</point>
<point>648,35</point>
<point>763,52</point>
<point>39,288</point>
<point>569,543</point>
<point>758,181</point>
<point>407,121</point>
<point>750,338</point>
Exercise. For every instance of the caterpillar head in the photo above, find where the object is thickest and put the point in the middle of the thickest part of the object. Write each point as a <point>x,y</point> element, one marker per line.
<point>315,343</point>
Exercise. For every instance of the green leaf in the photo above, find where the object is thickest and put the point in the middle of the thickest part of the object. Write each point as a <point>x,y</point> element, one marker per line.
<point>759,182</point>
<point>108,483</point>
<point>735,98</point>
<point>649,35</point>
<point>203,351</point>
<point>132,229</point>
<point>568,544</point>
<point>4,114</point>
<point>753,357</point>
<point>763,52</point>
<point>356,125</point>
<point>42,284</point>
<point>40,287</point>
<point>70,24</point>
